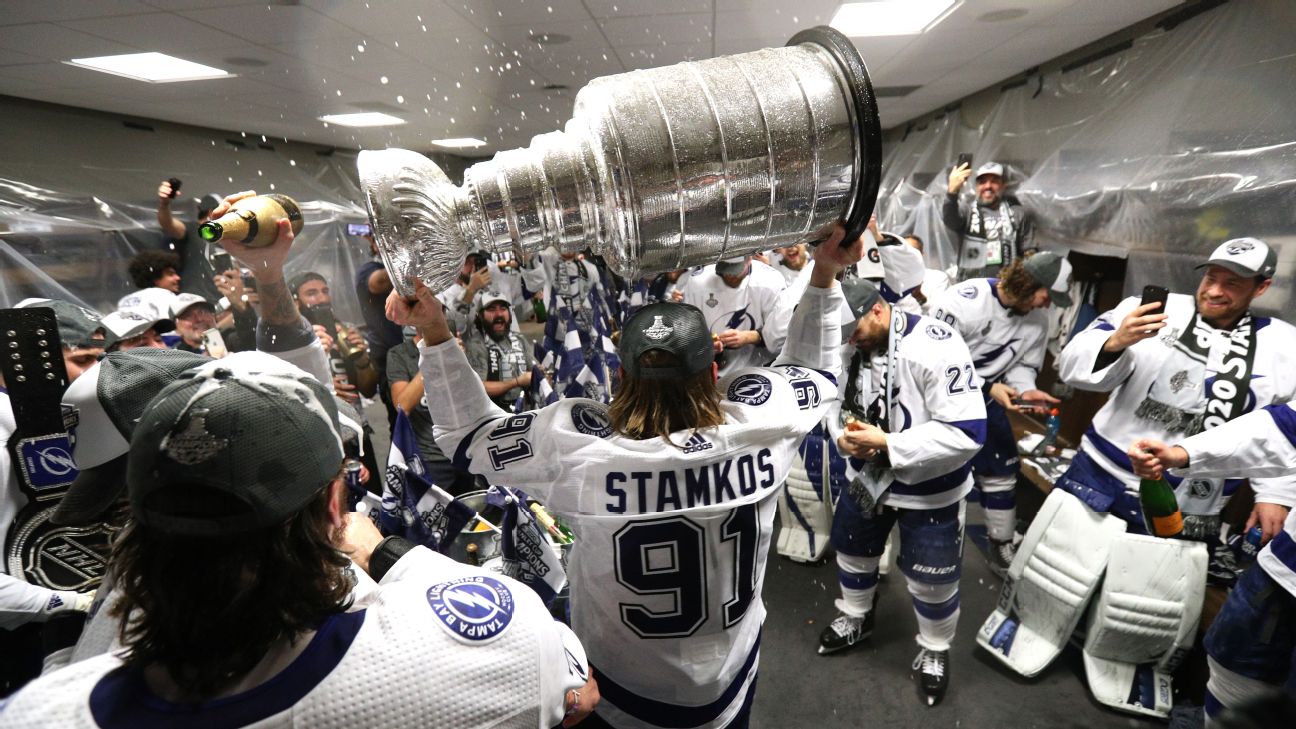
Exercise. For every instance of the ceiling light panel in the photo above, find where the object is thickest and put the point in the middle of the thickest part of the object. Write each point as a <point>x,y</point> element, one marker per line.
<point>362,119</point>
<point>154,68</point>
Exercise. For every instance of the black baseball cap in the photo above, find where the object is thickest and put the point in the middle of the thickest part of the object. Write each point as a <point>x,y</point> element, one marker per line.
<point>77,325</point>
<point>237,445</point>
<point>677,329</point>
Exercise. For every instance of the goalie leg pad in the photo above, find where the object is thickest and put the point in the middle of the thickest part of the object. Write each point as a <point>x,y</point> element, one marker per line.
<point>1144,621</point>
<point>805,512</point>
<point>1057,569</point>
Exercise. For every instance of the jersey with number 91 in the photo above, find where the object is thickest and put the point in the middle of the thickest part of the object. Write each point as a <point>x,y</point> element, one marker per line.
<point>671,539</point>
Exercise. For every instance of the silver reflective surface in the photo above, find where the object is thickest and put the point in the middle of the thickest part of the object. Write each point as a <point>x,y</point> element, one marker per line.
<point>657,170</point>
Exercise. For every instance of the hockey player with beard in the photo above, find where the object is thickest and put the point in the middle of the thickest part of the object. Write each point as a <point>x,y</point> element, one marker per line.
<point>1245,662</point>
<point>1003,322</point>
<point>670,492</point>
<point>501,357</point>
<point>1203,362</point>
<point>911,418</point>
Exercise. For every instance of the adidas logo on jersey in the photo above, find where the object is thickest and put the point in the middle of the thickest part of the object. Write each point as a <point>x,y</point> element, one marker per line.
<point>696,443</point>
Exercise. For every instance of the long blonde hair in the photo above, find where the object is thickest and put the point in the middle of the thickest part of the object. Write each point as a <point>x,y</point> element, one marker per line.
<point>646,408</point>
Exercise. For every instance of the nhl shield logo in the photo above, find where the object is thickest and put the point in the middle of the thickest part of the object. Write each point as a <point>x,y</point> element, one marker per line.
<point>658,330</point>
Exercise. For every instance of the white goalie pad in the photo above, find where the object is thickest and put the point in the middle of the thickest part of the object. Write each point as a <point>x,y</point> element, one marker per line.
<point>805,519</point>
<point>1144,621</point>
<point>1057,569</point>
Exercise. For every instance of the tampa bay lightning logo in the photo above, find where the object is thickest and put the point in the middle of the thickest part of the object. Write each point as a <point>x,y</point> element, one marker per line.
<point>968,292</point>
<point>591,420</point>
<point>472,609</point>
<point>937,332</point>
<point>750,389</point>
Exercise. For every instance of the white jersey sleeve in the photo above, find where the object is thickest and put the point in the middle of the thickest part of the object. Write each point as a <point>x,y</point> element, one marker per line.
<point>1256,445</point>
<point>1076,365</point>
<point>941,370</point>
<point>1022,374</point>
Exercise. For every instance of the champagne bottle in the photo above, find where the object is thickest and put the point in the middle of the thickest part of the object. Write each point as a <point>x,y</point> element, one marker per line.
<point>1161,513</point>
<point>253,221</point>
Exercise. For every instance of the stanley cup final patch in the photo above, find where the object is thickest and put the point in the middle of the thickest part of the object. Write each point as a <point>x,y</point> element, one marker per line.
<point>474,609</point>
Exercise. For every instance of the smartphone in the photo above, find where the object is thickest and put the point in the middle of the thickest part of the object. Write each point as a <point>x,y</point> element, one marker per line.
<point>214,343</point>
<point>358,229</point>
<point>222,262</point>
<point>964,159</point>
<point>175,186</point>
<point>1153,293</point>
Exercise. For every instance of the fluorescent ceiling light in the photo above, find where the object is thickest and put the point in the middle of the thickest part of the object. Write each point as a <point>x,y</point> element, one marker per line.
<point>363,119</point>
<point>459,142</point>
<point>155,68</point>
<point>891,17</point>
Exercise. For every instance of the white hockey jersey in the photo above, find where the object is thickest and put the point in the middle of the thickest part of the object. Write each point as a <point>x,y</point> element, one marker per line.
<point>441,645</point>
<point>746,308</point>
<point>1259,444</point>
<point>1005,345</point>
<point>671,539</point>
<point>1143,380</point>
<point>937,419</point>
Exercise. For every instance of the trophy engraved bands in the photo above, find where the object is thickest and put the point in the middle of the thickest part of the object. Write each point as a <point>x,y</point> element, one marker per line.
<point>657,170</point>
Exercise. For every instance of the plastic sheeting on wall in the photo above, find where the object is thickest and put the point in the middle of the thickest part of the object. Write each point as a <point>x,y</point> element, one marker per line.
<point>1156,154</point>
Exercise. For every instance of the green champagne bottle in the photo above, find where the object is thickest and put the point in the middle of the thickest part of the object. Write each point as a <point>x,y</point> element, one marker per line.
<point>1161,513</point>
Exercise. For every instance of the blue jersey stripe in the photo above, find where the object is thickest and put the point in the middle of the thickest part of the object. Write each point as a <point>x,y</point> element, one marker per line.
<point>1285,418</point>
<point>121,700</point>
<point>1284,548</point>
<point>674,716</point>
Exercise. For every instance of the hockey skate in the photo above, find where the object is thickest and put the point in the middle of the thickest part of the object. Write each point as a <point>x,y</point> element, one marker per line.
<point>933,676</point>
<point>846,630</point>
<point>1000,556</point>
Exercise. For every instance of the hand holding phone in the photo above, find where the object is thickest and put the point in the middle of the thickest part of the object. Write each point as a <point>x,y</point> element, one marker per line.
<point>175,186</point>
<point>964,160</point>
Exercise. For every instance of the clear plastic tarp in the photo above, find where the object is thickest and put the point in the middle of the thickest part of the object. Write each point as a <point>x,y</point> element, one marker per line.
<point>1155,154</point>
<point>78,199</point>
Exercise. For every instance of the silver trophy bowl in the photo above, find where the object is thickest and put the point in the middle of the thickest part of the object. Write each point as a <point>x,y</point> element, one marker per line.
<point>657,170</point>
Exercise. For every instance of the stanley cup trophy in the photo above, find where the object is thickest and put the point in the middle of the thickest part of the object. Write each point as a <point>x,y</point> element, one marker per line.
<point>657,170</point>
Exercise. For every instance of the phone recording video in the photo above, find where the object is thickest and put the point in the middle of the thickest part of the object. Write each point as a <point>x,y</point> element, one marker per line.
<point>358,229</point>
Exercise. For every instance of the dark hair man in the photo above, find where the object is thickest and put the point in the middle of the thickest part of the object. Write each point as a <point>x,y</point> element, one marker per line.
<point>195,266</point>
<point>911,417</point>
<point>155,268</point>
<point>672,490</point>
<point>1003,323</point>
<point>991,232</point>
<point>235,487</point>
<point>499,355</point>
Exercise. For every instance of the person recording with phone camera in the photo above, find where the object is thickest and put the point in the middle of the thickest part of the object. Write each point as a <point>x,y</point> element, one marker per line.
<point>993,229</point>
<point>1177,371</point>
<point>196,269</point>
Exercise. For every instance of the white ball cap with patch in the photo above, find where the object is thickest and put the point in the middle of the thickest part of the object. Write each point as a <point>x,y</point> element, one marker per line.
<point>1245,257</point>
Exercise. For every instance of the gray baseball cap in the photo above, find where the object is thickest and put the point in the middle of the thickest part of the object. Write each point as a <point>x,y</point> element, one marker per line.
<point>110,397</point>
<point>490,297</point>
<point>990,168</point>
<point>76,324</point>
<point>678,329</point>
<point>1243,256</point>
<point>237,445</point>
<point>1052,272</point>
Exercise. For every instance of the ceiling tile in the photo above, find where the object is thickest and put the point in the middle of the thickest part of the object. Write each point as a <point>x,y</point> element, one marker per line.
<point>156,31</point>
<point>274,24</point>
<point>673,29</point>
<point>55,43</point>
<point>55,10</point>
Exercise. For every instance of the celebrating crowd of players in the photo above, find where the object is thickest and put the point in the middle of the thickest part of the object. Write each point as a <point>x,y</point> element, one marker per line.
<point>664,421</point>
